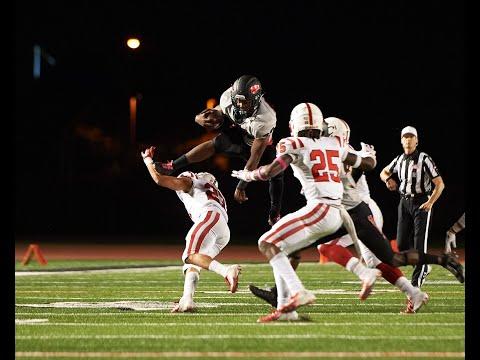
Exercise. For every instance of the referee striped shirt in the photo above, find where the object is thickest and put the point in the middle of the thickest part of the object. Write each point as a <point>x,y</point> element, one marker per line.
<point>415,172</point>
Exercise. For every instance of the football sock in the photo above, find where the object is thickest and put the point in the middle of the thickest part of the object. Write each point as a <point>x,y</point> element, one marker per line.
<point>336,253</point>
<point>190,284</point>
<point>282,290</point>
<point>218,268</point>
<point>281,265</point>
<point>406,286</point>
<point>390,273</point>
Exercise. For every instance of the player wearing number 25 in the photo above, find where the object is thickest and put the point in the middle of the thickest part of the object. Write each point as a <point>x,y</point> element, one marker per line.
<point>209,234</point>
<point>316,161</point>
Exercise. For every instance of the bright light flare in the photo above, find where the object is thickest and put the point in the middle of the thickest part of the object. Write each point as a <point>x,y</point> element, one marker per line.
<point>133,43</point>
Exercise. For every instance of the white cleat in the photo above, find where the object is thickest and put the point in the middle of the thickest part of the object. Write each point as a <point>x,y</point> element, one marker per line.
<point>415,302</point>
<point>303,297</point>
<point>231,279</point>
<point>290,316</point>
<point>184,305</point>
<point>368,277</point>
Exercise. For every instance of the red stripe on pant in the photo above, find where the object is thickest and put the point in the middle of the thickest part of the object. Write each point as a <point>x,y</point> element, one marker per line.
<point>280,228</point>
<point>205,232</point>
<point>298,228</point>
<point>192,238</point>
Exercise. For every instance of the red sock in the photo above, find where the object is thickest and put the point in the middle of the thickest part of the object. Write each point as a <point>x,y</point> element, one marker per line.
<point>390,273</point>
<point>336,253</point>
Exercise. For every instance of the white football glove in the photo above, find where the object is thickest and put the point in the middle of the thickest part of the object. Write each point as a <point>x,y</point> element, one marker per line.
<point>450,241</point>
<point>367,150</point>
<point>244,175</point>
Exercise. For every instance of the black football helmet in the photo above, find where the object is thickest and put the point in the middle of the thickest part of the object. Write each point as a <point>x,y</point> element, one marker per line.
<point>246,95</point>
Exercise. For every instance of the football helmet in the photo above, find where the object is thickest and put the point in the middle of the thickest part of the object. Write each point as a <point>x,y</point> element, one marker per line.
<point>188,174</point>
<point>208,178</point>
<point>338,127</point>
<point>305,116</point>
<point>246,94</point>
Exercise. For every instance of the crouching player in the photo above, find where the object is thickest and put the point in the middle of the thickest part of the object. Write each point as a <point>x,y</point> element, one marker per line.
<point>209,234</point>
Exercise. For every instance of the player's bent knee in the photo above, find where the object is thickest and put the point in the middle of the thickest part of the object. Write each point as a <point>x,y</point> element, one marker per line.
<point>191,267</point>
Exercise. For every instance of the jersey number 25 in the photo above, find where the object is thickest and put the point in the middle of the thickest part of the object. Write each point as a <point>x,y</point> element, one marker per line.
<point>324,169</point>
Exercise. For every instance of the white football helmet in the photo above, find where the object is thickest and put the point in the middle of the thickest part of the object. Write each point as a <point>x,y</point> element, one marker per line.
<point>305,116</point>
<point>208,178</point>
<point>338,127</point>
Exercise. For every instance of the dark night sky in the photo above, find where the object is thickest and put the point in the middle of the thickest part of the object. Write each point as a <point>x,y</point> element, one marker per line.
<point>380,65</point>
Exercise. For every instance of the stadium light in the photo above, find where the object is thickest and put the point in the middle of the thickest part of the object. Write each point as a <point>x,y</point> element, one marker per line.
<point>133,43</point>
<point>211,103</point>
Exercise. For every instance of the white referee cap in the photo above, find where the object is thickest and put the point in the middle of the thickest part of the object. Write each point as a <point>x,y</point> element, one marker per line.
<point>409,130</point>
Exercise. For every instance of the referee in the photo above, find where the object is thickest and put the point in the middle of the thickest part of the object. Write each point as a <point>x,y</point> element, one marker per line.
<point>420,186</point>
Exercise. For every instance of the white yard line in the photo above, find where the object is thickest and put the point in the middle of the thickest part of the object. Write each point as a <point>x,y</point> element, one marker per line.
<point>44,322</point>
<point>243,354</point>
<point>164,314</point>
<point>98,271</point>
<point>253,336</point>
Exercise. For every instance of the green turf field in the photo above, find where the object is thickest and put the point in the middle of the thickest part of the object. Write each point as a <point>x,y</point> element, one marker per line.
<point>90,315</point>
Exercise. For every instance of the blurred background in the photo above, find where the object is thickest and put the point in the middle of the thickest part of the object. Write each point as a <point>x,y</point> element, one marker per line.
<point>86,103</point>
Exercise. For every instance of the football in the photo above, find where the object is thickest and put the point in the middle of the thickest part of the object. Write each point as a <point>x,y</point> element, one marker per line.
<point>213,119</point>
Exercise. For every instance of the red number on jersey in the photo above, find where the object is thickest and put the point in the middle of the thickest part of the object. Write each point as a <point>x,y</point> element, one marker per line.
<point>214,194</point>
<point>324,170</point>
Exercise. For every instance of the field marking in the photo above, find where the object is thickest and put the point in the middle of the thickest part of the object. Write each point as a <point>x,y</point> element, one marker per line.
<point>146,305</point>
<point>99,271</point>
<point>39,322</point>
<point>243,354</point>
<point>149,314</point>
<point>30,321</point>
<point>253,336</point>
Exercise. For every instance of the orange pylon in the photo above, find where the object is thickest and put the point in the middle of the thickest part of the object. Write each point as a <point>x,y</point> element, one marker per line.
<point>33,250</point>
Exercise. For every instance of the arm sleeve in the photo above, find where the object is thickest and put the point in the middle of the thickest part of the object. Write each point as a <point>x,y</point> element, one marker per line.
<point>392,167</point>
<point>430,167</point>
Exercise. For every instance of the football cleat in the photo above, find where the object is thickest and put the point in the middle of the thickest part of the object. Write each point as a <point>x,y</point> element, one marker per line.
<point>232,277</point>
<point>303,297</point>
<point>273,316</point>
<point>185,304</point>
<point>368,277</point>
<point>451,264</point>
<point>270,296</point>
<point>290,316</point>
<point>415,302</point>
<point>164,168</point>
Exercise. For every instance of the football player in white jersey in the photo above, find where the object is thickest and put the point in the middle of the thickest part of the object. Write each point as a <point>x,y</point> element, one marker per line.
<point>209,234</point>
<point>370,234</point>
<point>316,162</point>
<point>246,123</point>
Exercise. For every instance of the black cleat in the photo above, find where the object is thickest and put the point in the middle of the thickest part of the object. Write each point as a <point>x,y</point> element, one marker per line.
<point>451,264</point>
<point>164,168</point>
<point>270,296</point>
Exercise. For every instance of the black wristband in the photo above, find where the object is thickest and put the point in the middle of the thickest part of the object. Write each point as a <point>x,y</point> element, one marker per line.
<point>242,185</point>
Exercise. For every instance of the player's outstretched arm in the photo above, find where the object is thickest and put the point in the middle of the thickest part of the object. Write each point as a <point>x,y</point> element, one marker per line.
<point>256,152</point>
<point>170,182</point>
<point>364,160</point>
<point>265,172</point>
